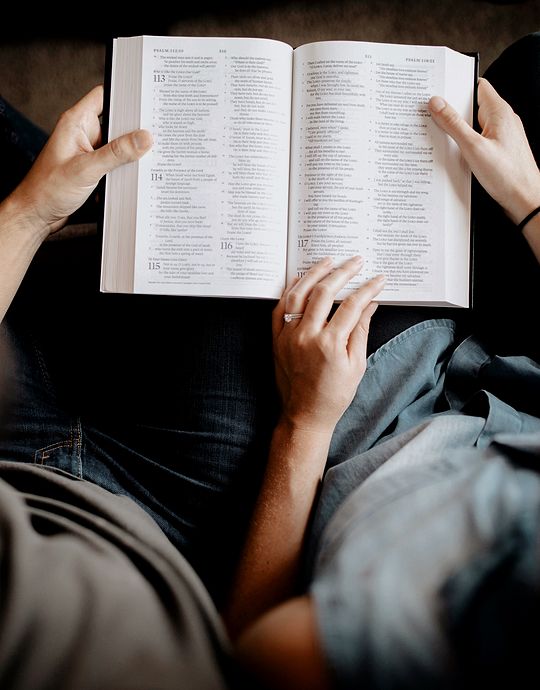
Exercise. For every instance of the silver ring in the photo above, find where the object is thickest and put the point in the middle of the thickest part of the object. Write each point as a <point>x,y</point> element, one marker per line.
<point>291,317</point>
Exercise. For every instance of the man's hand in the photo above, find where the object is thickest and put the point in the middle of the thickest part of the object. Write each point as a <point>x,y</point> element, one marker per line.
<point>499,157</point>
<point>319,363</point>
<point>62,178</point>
<point>71,164</point>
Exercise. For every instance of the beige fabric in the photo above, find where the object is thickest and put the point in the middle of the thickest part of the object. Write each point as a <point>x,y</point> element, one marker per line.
<point>95,596</point>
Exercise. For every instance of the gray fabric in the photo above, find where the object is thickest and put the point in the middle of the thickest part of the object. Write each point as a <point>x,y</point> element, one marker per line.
<point>93,595</point>
<point>413,494</point>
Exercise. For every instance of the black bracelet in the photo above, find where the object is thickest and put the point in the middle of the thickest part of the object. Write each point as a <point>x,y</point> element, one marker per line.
<point>531,215</point>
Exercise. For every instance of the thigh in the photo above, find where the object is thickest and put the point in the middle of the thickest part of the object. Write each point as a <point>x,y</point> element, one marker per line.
<point>34,427</point>
<point>174,398</point>
<point>188,406</point>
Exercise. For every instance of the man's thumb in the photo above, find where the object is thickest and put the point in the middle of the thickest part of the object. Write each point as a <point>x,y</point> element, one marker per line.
<point>125,149</point>
<point>449,121</point>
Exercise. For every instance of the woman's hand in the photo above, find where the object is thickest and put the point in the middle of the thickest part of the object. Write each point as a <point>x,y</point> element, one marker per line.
<point>320,362</point>
<point>499,157</point>
<point>71,164</point>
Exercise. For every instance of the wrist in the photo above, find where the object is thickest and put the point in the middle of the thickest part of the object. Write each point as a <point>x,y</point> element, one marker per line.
<point>305,426</point>
<point>303,451</point>
<point>524,203</point>
<point>528,219</point>
<point>19,215</point>
<point>531,232</point>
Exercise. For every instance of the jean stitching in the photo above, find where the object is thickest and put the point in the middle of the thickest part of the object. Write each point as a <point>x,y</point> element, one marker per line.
<point>78,446</point>
<point>72,444</point>
<point>44,453</point>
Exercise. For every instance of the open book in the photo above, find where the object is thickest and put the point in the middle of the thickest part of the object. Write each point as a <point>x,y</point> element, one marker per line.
<point>267,159</point>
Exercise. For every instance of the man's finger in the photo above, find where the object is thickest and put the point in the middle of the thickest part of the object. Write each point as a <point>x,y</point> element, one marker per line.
<point>126,149</point>
<point>450,122</point>
<point>91,103</point>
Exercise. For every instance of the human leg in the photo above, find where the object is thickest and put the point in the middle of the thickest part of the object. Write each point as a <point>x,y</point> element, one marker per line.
<point>169,401</point>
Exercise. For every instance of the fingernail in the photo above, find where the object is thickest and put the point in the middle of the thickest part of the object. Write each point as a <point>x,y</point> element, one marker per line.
<point>142,140</point>
<point>379,279</point>
<point>327,260</point>
<point>436,104</point>
<point>358,259</point>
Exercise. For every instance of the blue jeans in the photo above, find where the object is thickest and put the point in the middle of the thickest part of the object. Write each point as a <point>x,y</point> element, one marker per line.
<point>170,402</point>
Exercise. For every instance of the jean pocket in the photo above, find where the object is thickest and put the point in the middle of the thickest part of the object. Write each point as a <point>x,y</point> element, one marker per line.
<point>65,455</point>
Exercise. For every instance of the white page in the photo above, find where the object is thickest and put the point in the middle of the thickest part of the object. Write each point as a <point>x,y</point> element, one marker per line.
<point>364,178</point>
<point>213,193</point>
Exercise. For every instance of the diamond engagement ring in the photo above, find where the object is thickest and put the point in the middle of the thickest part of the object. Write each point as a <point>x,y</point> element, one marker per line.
<point>290,317</point>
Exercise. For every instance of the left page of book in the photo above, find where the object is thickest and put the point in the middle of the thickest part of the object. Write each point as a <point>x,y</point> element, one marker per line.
<point>212,195</point>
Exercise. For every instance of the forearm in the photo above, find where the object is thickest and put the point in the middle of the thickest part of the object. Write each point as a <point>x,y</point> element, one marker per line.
<point>269,565</point>
<point>20,238</point>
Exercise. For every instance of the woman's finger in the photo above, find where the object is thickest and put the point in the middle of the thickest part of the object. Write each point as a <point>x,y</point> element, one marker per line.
<point>444,115</point>
<point>350,310</point>
<point>358,338</point>
<point>490,104</point>
<point>295,296</point>
<point>323,295</point>
<point>279,309</point>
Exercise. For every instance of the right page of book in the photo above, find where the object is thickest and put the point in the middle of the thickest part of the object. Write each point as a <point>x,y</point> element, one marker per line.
<point>371,174</point>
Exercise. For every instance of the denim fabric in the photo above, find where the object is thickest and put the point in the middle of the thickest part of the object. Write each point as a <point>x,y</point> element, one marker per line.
<point>405,558</point>
<point>411,381</point>
<point>425,483</point>
<point>403,385</point>
<point>179,421</point>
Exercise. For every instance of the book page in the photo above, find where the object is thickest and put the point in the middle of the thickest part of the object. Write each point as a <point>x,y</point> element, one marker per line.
<point>213,193</point>
<point>369,167</point>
